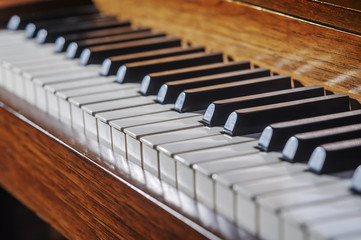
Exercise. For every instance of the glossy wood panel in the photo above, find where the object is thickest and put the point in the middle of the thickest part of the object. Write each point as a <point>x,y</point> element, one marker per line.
<point>344,15</point>
<point>310,53</point>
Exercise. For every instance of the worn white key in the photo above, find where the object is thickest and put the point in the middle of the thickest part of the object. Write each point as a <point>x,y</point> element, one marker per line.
<point>103,118</point>
<point>130,97</point>
<point>64,95</point>
<point>204,171</point>
<point>114,100</point>
<point>118,126</point>
<point>246,194</point>
<point>297,221</point>
<point>133,134</point>
<point>26,48</point>
<point>203,149</point>
<point>41,82</point>
<point>270,206</point>
<point>151,142</point>
<point>185,173</point>
<point>225,195</point>
<point>337,228</point>
<point>29,85</point>
<point>102,86</point>
<point>13,72</point>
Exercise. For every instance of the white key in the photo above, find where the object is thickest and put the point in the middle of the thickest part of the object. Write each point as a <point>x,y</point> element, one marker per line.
<point>29,85</point>
<point>64,95</point>
<point>41,82</point>
<point>270,206</point>
<point>96,102</point>
<point>225,195</point>
<point>83,84</point>
<point>53,98</point>
<point>14,72</point>
<point>185,173</point>
<point>103,119</point>
<point>150,143</point>
<point>297,221</point>
<point>207,149</point>
<point>133,134</point>
<point>118,126</point>
<point>246,208</point>
<point>130,98</point>
<point>337,228</point>
<point>204,183</point>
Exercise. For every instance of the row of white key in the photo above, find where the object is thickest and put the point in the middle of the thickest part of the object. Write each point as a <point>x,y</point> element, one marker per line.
<point>227,174</point>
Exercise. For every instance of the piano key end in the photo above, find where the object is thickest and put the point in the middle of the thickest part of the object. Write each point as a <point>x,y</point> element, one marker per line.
<point>41,36</point>
<point>104,71</point>
<point>290,149</point>
<point>208,115</point>
<point>121,74</point>
<point>145,85</point>
<point>161,96</point>
<point>71,52</point>
<point>230,126</point>
<point>356,180</point>
<point>317,160</point>
<point>14,23</point>
<point>59,44</point>
<point>85,56</point>
<point>179,104</point>
<point>265,140</point>
<point>30,30</point>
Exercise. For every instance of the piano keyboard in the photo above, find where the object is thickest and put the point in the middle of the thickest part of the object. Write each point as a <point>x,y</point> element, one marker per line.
<point>193,119</point>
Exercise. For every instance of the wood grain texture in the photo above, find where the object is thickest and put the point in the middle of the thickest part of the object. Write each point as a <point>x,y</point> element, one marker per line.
<point>86,191</point>
<point>339,15</point>
<point>310,53</point>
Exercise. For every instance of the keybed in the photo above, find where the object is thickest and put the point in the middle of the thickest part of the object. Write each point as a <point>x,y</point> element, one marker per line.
<point>195,121</point>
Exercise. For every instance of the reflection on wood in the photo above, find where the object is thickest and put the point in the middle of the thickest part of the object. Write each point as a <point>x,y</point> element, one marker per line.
<point>309,53</point>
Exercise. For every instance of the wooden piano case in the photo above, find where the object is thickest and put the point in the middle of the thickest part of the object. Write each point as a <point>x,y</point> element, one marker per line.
<point>86,192</point>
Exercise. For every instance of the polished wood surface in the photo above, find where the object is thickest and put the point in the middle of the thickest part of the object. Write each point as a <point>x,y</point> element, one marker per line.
<point>345,15</point>
<point>310,53</point>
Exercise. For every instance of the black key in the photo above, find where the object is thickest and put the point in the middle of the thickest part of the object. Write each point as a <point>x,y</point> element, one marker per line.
<point>169,91</point>
<point>199,98</point>
<point>151,83</point>
<point>50,35</point>
<point>218,111</point>
<point>356,180</point>
<point>33,28</point>
<point>275,136</point>
<point>75,48</point>
<point>18,22</point>
<point>111,65</point>
<point>336,157</point>
<point>299,147</point>
<point>62,42</point>
<point>255,119</point>
<point>134,72</point>
<point>96,55</point>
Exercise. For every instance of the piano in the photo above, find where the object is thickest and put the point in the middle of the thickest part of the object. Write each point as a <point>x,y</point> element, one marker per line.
<point>184,120</point>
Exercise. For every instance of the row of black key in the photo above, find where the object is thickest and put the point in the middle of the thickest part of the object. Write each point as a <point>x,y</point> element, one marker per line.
<point>244,100</point>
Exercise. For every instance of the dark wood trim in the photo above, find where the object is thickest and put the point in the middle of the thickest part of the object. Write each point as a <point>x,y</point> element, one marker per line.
<point>329,14</point>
